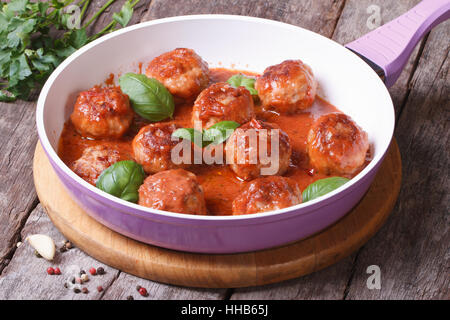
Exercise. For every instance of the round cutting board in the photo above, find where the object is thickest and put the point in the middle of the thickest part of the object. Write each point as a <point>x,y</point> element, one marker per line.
<point>224,270</point>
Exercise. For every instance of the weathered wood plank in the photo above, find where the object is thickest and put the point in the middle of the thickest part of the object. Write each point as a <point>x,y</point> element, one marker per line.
<point>139,10</point>
<point>360,17</point>
<point>318,16</point>
<point>327,284</point>
<point>126,284</point>
<point>412,250</point>
<point>25,276</point>
<point>17,195</point>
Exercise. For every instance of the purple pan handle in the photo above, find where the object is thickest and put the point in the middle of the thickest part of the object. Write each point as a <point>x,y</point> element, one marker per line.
<point>390,45</point>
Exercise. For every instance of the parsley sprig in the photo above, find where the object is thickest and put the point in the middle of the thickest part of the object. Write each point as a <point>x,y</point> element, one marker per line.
<point>35,37</point>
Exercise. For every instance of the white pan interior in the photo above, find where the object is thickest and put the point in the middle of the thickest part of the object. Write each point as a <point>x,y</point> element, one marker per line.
<point>226,41</point>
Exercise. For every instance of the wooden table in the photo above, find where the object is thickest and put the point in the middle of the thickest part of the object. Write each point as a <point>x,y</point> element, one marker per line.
<point>412,249</point>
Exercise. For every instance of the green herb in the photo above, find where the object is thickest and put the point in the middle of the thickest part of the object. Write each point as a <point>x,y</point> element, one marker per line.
<point>220,131</point>
<point>239,80</point>
<point>216,134</point>
<point>322,187</point>
<point>122,180</point>
<point>149,98</point>
<point>35,37</point>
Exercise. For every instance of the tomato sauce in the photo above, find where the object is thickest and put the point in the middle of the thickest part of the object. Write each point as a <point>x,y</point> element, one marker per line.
<point>219,183</point>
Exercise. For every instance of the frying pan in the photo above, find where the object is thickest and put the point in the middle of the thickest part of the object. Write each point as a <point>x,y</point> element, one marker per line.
<point>239,42</point>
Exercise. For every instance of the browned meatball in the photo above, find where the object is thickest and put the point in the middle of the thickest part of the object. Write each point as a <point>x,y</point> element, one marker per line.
<point>181,71</point>
<point>102,113</point>
<point>336,145</point>
<point>222,102</point>
<point>249,150</point>
<point>95,159</point>
<point>152,147</point>
<point>287,87</point>
<point>173,190</point>
<point>267,194</point>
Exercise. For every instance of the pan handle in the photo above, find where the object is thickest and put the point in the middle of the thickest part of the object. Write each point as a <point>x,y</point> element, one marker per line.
<point>389,46</point>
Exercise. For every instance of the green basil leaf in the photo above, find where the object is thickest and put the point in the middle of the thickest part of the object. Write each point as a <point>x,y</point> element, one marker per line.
<point>190,134</point>
<point>122,180</point>
<point>149,98</point>
<point>220,131</point>
<point>239,80</point>
<point>322,187</point>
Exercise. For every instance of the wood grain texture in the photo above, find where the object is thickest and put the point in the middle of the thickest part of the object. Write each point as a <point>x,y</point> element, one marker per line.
<point>220,271</point>
<point>327,284</point>
<point>353,24</point>
<point>126,284</point>
<point>25,277</point>
<point>17,195</point>
<point>413,249</point>
<point>318,16</point>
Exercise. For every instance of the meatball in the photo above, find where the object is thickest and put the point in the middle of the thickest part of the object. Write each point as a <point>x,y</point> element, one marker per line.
<point>181,71</point>
<point>173,190</point>
<point>221,102</point>
<point>152,147</point>
<point>102,113</point>
<point>336,145</point>
<point>267,194</point>
<point>95,159</point>
<point>249,150</point>
<point>287,87</point>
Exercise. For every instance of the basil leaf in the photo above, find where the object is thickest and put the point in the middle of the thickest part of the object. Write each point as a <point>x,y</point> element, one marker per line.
<point>216,134</point>
<point>220,131</point>
<point>189,134</point>
<point>239,80</point>
<point>149,98</point>
<point>322,187</point>
<point>122,180</point>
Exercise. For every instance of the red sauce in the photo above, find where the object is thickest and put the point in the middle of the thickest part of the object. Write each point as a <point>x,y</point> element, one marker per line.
<point>219,183</point>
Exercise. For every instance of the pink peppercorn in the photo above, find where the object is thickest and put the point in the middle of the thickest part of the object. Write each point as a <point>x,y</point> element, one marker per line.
<point>143,292</point>
<point>93,271</point>
<point>50,271</point>
<point>99,288</point>
<point>57,271</point>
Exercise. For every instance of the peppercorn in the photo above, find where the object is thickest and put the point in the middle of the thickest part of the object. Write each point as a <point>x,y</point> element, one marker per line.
<point>99,288</point>
<point>82,272</point>
<point>78,280</point>
<point>72,279</point>
<point>57,271</point>
<point>50,271</point>
<point>62,249</point>
<point>76,290</point>
<point>66,285</point>
<point>130,298</point>
<point>68,245</point>
<point>84,277</point>
<point>85,290</point>
<point>100,270</point>
<point>143,292</point>
<point>93,271</point>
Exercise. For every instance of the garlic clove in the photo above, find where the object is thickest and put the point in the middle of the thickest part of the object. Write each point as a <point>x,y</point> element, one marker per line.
<point>43,244</point>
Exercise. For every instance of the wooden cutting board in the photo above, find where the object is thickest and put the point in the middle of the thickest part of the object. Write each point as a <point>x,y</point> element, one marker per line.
<point>224,270</point>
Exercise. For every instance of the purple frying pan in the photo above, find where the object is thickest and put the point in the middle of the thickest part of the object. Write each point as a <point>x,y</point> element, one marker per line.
<point>350,84</point>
